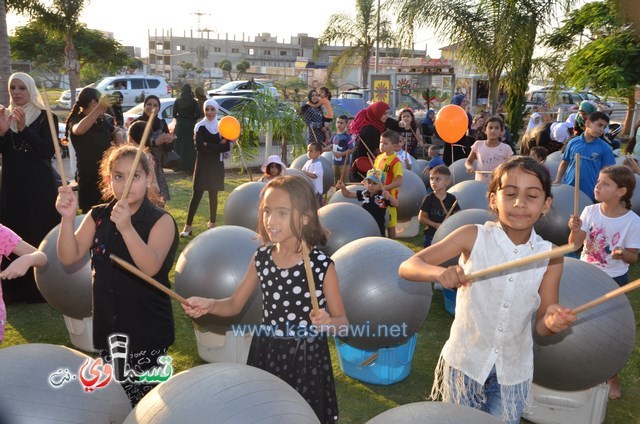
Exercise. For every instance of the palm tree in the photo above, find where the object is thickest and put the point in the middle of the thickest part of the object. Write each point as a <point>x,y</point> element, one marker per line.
<point>62,17</point>
<point>5,54</point>
<point>361,32</point>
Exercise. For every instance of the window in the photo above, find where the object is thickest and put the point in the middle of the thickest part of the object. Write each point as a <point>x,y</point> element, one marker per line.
<point>153,83</point>
<point>267,52</point>
<point>251,52</point>
<point>235,50</point>
<point>158,46</point>
<point>180,48</point>
<point>137,84</point>
<point>167,45</point>
<point>283,53</point>
<point>217,49</point>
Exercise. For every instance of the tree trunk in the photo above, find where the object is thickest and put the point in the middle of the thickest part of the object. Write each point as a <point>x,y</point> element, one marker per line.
<point>72,65</point>
<point>631,106</point>
<point>492,101</point>
<point>365,70</point>
<point>5,55</point>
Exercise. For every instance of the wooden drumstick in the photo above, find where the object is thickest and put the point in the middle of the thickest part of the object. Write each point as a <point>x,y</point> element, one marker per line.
<point>54,136</point>
<point>451,210</point>
<point>612,294</point>
<point>576,189</point>
<point>136,159</point>
<point>310,281</point>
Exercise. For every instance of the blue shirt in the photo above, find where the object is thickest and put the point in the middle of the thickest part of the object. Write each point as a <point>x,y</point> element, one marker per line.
<point>594,156</point>
<point>435,162</point>
<point>341,143</point>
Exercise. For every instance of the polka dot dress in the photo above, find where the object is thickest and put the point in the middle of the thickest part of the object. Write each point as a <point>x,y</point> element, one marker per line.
<point>285,348</point>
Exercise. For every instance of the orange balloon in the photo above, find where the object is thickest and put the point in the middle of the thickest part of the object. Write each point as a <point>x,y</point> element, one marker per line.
<point>451,123</point>
<point>229,128</point>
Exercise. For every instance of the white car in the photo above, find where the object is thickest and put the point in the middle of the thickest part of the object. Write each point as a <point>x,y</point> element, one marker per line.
<point>135,87</point>
<point>64,102</point>
<point>243,88</point>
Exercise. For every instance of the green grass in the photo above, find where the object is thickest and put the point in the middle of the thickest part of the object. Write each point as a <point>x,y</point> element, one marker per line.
<point>358,401</point>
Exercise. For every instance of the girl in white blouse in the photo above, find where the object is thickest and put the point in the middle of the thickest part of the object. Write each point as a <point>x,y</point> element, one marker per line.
<point>487,363</point>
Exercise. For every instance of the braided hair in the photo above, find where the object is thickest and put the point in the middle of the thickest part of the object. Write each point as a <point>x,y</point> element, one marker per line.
<point>84,99</point>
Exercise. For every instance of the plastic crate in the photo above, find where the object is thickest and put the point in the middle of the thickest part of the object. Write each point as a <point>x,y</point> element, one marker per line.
<point>559,407</point>
<point>383,366</point>
<point>228,347</point>
<point>449,300</point>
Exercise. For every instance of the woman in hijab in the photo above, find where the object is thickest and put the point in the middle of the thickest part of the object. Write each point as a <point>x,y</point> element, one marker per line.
<point>367,126</point>
<point>159,139</point>
<point>208,174</point>
<point>28,188</point>
<point>461,148</point>
<point>550,135</point>
<point>534,121</point>
<point>312,116</point>
<point>428,127</point>
<point>585,109</point>
<point>186,113</point>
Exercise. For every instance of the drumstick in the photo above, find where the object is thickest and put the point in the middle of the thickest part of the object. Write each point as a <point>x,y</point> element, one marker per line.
<point>451,210</point>
<point>132,269</point>
<point>370,153</point>
<point>136,159</point>
<point>613,293</point>
<point>315,138</point>
<point>553,253</point>
<point>483,172</point>
<point>576,189</point>
<point>311,282</point>
<point>54,136</point>
<point>369,360</point>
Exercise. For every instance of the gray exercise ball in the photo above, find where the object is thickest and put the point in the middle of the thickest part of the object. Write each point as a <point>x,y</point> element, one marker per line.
<point>68,289</point>
<point>598,345</point>
<point>345,223</point>
<point>554,226</point>
<point>41,384</point>
<point>328,156</point>
<point>338,197</point>
<point>434,413</point>
<point>418,167</point>
<point>327,169</point>
<point>212,265</point>
<point>635,198</point>
<point>457,220</point>
<point>459,172</point>
<point>410,196</point>
<point>223,393</point>
<point>552,165</point>
<point>242,205</point>
<point>375,297</point>
<point>471,194</point>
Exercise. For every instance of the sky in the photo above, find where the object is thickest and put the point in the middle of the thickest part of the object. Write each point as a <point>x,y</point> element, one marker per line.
<point>131,19</point>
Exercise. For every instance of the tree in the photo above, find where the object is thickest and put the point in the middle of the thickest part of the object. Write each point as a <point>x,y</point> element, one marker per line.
<point>604,52</point>
<point>241,68</point>
<point>98,55</point>
<point>361,32</point>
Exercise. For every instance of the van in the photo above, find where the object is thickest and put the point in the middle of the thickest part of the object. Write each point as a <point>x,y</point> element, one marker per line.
<point>134,88</point>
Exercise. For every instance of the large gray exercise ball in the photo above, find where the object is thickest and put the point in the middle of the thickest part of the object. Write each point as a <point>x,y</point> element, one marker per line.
<point>598,345</point>
<point>212,265</point>
<point>66,288</point>
<point>410,196</point>
<point>635,198</point>
<point>41,384</point>
<point>375,297</point>
<point>242,205</point>
<point>327,169</point>
<point>434,413</point>
<point>338,197</point>
<point>345,223</point>
<point>459,172</point>
<point>223,393</point>
<point>457,220</point>
<point>328,156</point>
<point>471,194</point>
<point>418,167</point>
<point>552,162</point>
<point>554,226</point>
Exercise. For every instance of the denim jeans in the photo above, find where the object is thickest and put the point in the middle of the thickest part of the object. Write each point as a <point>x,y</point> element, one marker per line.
<point>622,279</point>
<point>493,402</point>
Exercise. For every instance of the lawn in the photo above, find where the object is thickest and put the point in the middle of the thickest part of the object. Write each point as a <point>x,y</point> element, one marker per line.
<point>358,401</point>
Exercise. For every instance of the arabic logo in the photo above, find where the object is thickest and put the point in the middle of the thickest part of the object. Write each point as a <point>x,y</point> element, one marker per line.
<point>60,377</point>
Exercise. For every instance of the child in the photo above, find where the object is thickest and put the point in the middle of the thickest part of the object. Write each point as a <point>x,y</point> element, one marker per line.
<point>291,349</point>
<point>595,154</point>
<point>139,233</point>
<point>374,199</point>
<point>436,205</point>
<point>610,232</point>
<point>435,159</point>
<point>539,153</point>
<point>273,167</point>
<point>487,363</point>
<point>342,147</point>
<point>387,162</point>
<point>411,135</point>
<point>313,169</point>
<point>632,163</point>
<point>28,256</point>
<point>403,155</point>
<point>490,152</point>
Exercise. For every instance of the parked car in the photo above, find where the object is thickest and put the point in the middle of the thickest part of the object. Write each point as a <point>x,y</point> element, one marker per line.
<point>135,87</point>
<point>64,101</point>
<point>227,104</point>
<point>400,100</point>
<point>552,100</point>
<point>244,88</point>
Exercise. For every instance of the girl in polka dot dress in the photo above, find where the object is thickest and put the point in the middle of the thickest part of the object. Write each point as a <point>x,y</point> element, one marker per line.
<point>292,341</point>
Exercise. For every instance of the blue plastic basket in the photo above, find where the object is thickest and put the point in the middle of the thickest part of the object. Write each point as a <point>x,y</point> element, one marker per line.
<point>390,366</point>
<point>449,300</point>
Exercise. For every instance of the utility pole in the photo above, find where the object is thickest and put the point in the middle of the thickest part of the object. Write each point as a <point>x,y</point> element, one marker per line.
<point>375,68</point>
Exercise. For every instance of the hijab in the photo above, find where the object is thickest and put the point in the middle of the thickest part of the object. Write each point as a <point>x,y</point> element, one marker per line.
<point>457,99</point>
<point>186,93</point>
<point>534,121</point>
<point>371,115</point>
<point>34,107</point>
<point>587,107</point>
<point>210,125</point>
<point>158,122</point>
<point>560,132</point>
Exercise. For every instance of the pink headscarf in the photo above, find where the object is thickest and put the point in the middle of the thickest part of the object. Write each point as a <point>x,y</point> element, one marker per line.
<point>371,115</point>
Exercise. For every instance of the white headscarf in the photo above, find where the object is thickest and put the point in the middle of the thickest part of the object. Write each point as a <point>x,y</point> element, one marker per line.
<point>210,125</point>
<point>571,120</point>
<point>560,132</point>
<point>35,106</point>
<point>534,121</point>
